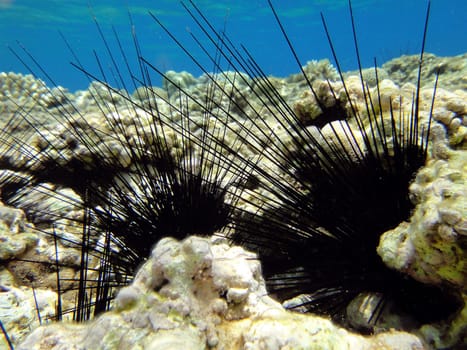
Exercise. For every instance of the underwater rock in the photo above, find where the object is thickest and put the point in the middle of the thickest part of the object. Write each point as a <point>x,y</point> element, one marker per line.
<point>209,294</point>
<point>20,93</point>
<point>451,111</point>
<point>452,70</point>
<point>448,336</point>
<point>307,109</point>
<point>431,247</point>
<point>97,93</point>
<point>315,70</point>
<point>18,308</point>
<point>45,202</point>
<point>202,293</point>
<point>13,237</point>
<point>369,75</point>
<point>25,90</point>
<point>173,82</point>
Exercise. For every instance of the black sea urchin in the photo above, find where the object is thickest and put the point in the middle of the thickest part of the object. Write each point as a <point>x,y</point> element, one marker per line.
<point>330,188</point>
<point>144,167</point>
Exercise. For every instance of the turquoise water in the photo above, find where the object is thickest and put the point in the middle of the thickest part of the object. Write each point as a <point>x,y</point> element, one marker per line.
<point>386,29</point>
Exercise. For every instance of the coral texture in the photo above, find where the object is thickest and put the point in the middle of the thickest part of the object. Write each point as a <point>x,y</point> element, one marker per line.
<point>452,70</point>
<point>202,293</point>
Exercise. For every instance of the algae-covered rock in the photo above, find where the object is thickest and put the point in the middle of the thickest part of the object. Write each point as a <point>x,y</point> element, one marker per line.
<point>173,81</point>
<point>24,90</point>
<point>452,70</point>
<point>431,247</point>
<point>204,293</point>
<point>14,240</point>
<point>451,111</point>
<point>201,293</point>
<point>315,70</point>
<point>23,93</point>
<point>18,311</point>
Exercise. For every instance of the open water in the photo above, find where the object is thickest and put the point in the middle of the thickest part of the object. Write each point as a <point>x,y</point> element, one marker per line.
<point>386,29</point>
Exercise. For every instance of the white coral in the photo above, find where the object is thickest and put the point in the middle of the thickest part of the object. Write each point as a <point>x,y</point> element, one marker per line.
<point>202,293</point>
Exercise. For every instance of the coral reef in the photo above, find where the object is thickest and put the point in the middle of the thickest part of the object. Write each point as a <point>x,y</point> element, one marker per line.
<point>17,302</point>
<point>25,92</point>
<point>452,70</point>
<point>431,246</point>
<point>369,75</point>
<point>202,293</point>
<point>315,70</point>
<point>19,307</point>
<point>15,241</point>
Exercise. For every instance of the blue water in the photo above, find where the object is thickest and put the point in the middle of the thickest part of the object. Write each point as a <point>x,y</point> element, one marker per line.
<point>386,29</point>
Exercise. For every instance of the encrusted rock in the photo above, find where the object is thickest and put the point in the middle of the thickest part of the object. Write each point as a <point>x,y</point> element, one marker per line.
<point>18,311</point>
<point>202,293</point>
<point>452,70</point>
<point>14,241</point>
<point>430,247</point>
